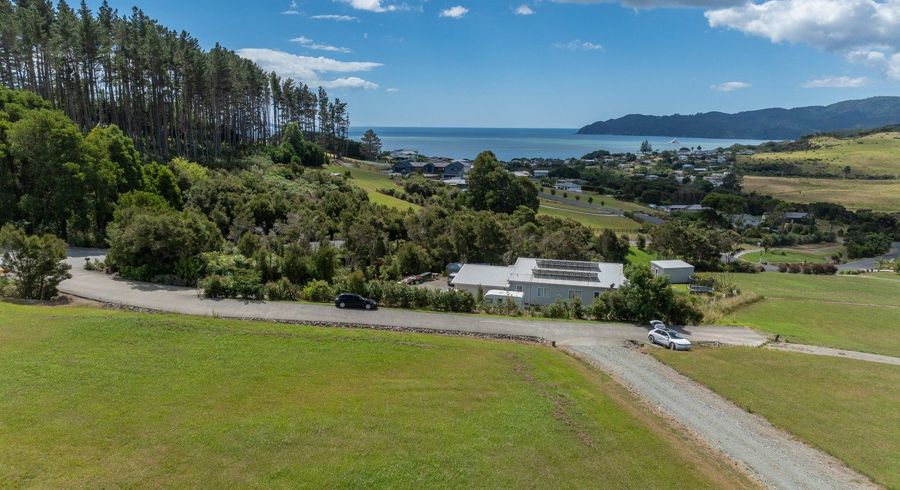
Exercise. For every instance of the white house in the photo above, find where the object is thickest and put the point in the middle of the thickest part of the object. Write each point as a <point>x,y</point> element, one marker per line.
<point>678,271</point>
<point>543,281</point>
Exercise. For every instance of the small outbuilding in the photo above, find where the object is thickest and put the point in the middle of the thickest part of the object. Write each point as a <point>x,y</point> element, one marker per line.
<point>678,271</point>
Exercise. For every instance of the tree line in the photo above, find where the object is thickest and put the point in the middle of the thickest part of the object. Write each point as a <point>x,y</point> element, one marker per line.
<point>157,85</point>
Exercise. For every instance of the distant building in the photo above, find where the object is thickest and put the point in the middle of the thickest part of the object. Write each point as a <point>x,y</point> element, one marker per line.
<point>539,174</point>
<point>795,216</point>
<point>472,277</point>
<point>683,208</point>
<point>678,271</point>
<point>746,220</point>
<point>568,186</point>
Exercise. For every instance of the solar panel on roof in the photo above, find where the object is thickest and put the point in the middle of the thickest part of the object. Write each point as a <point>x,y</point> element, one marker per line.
<point>577,265</point>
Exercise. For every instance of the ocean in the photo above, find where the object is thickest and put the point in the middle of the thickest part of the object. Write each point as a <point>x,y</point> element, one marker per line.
<point>510,143</point>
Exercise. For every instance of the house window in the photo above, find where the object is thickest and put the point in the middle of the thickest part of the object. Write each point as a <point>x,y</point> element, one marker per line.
<point>543,292</point>
<point>519,288</point>
<point>574,293</point>
<point>596,294</point>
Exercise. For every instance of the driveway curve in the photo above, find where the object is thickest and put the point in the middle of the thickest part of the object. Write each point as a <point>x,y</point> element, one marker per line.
<point>771,456</point>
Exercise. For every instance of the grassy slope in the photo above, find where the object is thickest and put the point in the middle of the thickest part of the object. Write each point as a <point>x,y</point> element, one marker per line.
<point>370,180</point>
<point>100,398</point>
<point>784,256</point>
<point>845,312</point>
<point>847,408</point>
<point>637,256</point>
<point>874,154</point>
<point>880,195</point>
<point>586,217</point>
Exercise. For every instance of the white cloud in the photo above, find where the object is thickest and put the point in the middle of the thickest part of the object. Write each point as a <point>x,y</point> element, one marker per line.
<point>309,69</point>
<point>729,86</point>
<point>392,90</point>
<point>309,43</point>
<point>836,82</point>
<point>649,4</point>
<point>292,9</point>
<point>524,10</point>
<point>579,45</point>
<point>457,12</point>
<point>336,18</point>
<point>348,82</point>
<point>373,5</point>
<point>864,31</point>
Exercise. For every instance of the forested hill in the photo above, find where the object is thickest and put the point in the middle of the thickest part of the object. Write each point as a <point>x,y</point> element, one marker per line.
<point>166,93</point>
<point>767,124</point>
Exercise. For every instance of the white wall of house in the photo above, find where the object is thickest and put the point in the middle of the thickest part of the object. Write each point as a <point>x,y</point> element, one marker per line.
<point>545,294</point>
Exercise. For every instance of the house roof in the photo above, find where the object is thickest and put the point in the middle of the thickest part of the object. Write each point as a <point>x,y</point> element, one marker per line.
<point>671,264</point>
<point>567,273</point>
<point>795,215</point>
<point>486,276</point>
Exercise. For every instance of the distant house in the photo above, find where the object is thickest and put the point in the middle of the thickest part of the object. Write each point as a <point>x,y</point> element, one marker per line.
<point>403,167</point>
<point>678,271</point>
<point>683,208</point>
<point>568,186</point>
<point>746,220</point>
<point>539,174</point>
<point>796,217</point>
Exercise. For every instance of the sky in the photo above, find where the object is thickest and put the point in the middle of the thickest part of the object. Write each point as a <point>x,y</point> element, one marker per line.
<point>556,63</point>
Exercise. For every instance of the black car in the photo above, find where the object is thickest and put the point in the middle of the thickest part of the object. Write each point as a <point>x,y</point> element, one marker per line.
<point>350,300</point>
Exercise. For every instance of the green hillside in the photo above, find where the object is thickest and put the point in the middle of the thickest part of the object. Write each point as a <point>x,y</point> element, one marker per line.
<point>875,154</point>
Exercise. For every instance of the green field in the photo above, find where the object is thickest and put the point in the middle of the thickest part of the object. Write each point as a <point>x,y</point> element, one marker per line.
<point>879,195</point>
<point>845,312</point>
<point>587,217</point>
<point>370,180</point>
<point>784,256</point>
<point>846,408</point>
<point>98,398</point>
<point>874,154</point>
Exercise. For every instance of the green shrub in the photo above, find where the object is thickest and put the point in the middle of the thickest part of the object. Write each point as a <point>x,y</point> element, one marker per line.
<point>319,291</point>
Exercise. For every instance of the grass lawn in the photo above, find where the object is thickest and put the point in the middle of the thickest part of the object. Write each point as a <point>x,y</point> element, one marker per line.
<point>845,312</point>
<point>784,256</point>
<point>879,195</point>
<point>370,180</point>
<point>588,218</point>
<point>874,154</point>
<point>98,398</point>
<point>637,256</point>
<point>846,408</point>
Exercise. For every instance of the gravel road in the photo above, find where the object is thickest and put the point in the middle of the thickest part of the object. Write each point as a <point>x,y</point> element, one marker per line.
<point>829,352</point>
<point>772,456</point>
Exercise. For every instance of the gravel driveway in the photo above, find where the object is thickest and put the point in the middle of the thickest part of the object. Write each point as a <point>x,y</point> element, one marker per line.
<point>772,456</point>
<point>775,458</point>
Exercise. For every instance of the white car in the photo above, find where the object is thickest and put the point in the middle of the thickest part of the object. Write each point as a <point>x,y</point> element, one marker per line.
<point>668,338</point>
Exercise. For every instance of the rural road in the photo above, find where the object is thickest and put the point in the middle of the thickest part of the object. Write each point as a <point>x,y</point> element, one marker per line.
<point>773,457</point>
<point>870,263</point>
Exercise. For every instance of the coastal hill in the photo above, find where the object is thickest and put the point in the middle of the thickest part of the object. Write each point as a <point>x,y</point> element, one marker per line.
<point>764,124</point>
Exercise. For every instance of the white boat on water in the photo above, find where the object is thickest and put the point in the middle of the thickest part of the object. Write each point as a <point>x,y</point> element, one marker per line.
<point>675,142</point>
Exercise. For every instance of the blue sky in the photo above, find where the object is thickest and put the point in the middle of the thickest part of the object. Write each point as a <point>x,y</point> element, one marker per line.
<point>480,63</point>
